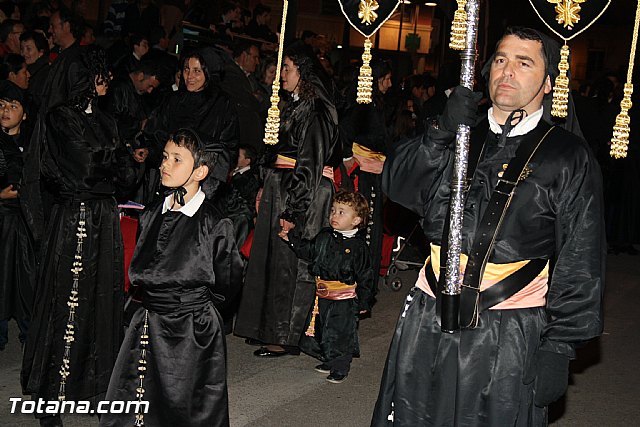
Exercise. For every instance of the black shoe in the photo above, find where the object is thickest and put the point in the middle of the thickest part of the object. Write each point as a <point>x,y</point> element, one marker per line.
<point>336,378</point>
<point>265,352</point>
<point>251,341</point>
<point>323,368</point>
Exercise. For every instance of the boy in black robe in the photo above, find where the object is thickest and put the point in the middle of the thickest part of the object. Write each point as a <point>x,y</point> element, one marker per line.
<point>186,260</point>
<point>341,263</point>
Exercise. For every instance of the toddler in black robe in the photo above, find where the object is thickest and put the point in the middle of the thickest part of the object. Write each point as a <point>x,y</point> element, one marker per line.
<point>341,263</point>
<point>186,259</point>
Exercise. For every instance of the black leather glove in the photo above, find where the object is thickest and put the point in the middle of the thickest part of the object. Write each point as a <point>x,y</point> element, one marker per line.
<point>461,109</point>
<point>552,377</point>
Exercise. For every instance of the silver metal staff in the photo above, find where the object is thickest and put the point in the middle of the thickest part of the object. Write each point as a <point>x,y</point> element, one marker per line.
<point>452,289</point>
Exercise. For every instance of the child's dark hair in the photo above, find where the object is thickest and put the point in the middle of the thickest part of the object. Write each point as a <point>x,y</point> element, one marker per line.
<point>190,140</point>
<point>356,201</point>
<point>249,152</point>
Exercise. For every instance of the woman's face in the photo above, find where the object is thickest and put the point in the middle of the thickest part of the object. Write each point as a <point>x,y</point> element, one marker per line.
<point>21,78</point>
<point>290,76</point>
<point>384,83</point>
<point>29,51</point>
<point>193,75</point>
<point>270,74</point>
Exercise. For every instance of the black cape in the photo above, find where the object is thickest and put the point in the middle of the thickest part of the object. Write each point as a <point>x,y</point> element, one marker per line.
<point>82,161</point>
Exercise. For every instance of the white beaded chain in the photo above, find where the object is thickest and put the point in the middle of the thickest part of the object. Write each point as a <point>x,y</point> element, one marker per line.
<point>72,303</point>
<point>142,368</point>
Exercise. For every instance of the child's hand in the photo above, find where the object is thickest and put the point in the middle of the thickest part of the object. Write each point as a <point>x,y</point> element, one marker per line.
<point>283,235</point>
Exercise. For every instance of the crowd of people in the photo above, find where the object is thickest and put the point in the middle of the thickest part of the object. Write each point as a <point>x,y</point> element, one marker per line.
<point>282,244</point>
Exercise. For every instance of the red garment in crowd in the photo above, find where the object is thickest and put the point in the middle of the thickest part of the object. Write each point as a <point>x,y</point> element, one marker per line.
<point>129,230</point>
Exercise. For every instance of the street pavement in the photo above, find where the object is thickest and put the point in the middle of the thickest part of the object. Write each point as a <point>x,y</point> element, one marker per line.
<point>286,391</point>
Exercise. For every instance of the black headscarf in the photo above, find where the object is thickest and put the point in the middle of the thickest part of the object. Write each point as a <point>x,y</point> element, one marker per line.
<point>551,52</point>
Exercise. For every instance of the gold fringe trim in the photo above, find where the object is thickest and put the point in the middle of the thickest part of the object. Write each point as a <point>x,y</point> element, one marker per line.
<point>561,87</point>
<point>365,78</point>
<point>272,126</point>
<point>459,27</point>
<point>311,330</point>
<point>620,140</point>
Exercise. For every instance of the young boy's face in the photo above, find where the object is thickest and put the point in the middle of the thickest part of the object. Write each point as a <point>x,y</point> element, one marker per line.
<point>11,114</point>
<point>177,165</point>
<point>343,217</point>
<point>242,160</point>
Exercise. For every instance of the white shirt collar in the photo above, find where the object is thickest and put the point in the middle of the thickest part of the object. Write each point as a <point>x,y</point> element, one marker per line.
<point>189,209</point>
<point>525,126</point>
<point>349,233</point>
<point>241,170</point>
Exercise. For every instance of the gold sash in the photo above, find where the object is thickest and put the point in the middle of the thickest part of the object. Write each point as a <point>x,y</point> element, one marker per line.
<point>332,290</point>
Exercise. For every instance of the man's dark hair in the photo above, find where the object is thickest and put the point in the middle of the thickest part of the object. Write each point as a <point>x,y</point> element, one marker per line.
<point>76,23</point>
<point>524,33</point>
<point>6,28</point>
<point>136,39</point>
<point>242,46</point>
<point>249,152</point>
<point>260,9</point>
<point>148,67</point>
<point>228,6</point>
<point>38,39</point>
<point>11,63</point>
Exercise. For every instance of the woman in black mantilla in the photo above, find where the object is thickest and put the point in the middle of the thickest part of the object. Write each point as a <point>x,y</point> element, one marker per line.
<point>199,104</point>
<point>77,317</point>
<point>279,291</point>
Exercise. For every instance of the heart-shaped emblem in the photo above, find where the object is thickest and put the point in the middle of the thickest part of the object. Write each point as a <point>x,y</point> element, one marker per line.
<point>568,18</point>
<point>367,16</point>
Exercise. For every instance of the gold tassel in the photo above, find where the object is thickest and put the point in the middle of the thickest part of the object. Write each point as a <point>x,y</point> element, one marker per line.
<point>365,78</point>
<point>459,27</point>
<point>272,127</point>
<point>311,330</point>
<point>561,86</point>
<point>620,140</point>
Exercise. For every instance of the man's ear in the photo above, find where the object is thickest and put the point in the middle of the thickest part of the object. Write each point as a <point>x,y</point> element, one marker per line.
<point>547,85</point>
<point>200,173</point>
<point>356,221</point>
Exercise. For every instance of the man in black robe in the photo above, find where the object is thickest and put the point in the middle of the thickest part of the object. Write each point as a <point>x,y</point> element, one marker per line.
<point>514,361</point>
<point>241,86</point>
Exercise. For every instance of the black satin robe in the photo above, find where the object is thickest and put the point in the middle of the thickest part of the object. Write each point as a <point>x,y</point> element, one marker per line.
<point>279,291</point>
<point>82,161</point>
<point>335,257</point>
<point>17,252</point>
<point>476,377</point>
<point>181,266</point>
